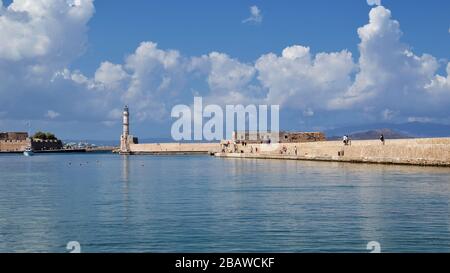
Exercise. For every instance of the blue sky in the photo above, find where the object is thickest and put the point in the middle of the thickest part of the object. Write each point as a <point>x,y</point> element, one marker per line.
<point>70,66</point>
<point>201,26</point>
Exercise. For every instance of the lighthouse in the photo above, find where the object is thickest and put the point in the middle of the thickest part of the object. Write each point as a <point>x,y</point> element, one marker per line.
<point>125,137</point>
<point>126,122</point>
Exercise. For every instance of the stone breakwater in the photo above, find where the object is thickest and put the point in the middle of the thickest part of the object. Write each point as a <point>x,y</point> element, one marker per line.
<point>424,152</point>
<point>174,148</point>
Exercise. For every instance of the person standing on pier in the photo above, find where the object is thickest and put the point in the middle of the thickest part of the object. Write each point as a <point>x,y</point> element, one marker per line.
<point>345,140</point>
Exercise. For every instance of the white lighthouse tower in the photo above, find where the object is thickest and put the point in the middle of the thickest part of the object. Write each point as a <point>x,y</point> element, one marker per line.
<point>125,137</point>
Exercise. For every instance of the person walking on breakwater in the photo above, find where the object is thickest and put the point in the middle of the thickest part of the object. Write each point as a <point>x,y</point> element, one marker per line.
<point>382,139</point>
<point>345,140</point>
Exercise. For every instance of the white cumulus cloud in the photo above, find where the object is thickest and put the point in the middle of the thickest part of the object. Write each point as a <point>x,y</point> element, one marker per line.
<point>374,2</point>
<point>255,16</point>
<point>299,79</point>
<point>40,38</point>
<point>390,75</point>
<point>111,75</point>
<point>389,78</point>
<point>52,114</point>
<point>38,29</point>
<point>229,79</point>
<point>156,76</point>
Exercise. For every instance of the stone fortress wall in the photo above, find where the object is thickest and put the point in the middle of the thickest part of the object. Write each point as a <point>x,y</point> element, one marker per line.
<point>46,145</point>
<point>12,142</point>
<point>426,152</point>
<point>7,146</point>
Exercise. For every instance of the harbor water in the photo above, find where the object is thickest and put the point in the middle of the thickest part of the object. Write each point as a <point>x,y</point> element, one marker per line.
<point>112,203</point>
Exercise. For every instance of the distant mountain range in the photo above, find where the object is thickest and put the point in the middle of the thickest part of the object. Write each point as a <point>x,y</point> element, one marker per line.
<point>374,134</point>
<point>402,130</point>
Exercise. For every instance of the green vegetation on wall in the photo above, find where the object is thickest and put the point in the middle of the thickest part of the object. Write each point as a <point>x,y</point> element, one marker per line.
<point>44,136</point>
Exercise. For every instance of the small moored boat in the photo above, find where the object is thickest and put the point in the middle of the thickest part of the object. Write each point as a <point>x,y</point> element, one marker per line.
<point>28,151</point>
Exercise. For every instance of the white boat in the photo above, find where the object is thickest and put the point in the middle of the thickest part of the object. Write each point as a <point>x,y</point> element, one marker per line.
<point>28,152</point>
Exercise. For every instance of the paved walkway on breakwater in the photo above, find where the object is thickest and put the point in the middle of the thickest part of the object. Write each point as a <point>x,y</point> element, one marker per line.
<point>421,152</point>
<point>174,148</point>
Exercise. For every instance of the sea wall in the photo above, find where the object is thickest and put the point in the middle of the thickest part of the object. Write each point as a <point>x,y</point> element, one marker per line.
<point>13,146</point>
<point>174,148</point>
<point>427,152</point>
<point>46,145</point>
<point>9,146</point>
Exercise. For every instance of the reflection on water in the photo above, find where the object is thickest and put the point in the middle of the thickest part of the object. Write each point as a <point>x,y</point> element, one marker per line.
<point>126,170</point>
<point>126,182</point>
<point>113,203</point>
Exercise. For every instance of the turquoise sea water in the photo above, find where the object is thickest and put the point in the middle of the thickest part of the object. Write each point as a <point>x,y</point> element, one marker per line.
<point>111,203</point>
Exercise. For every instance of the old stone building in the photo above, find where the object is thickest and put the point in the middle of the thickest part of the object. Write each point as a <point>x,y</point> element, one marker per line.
<point>13,136</point>
<point>281,137</point>
<point>14,141</point>
<point>11,142</point>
